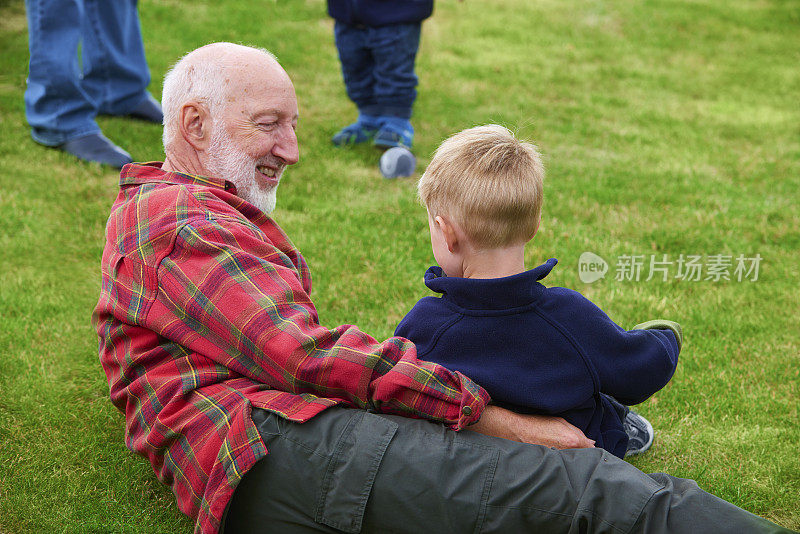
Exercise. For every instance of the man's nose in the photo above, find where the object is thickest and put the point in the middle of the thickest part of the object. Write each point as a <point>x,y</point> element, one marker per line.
<point>285,146</point>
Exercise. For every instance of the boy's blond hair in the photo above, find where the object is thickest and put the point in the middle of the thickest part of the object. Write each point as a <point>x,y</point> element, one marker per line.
<point>489,183</point>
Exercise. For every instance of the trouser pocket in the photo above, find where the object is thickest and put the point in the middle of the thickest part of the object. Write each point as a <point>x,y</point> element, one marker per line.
<point>350,474</point>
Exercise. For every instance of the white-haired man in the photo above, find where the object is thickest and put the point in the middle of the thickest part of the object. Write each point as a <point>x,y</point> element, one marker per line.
<point>263,420</point>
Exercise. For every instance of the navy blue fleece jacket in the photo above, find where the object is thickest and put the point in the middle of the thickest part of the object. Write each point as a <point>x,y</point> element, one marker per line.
<point>539,349</point>
<point>379,12</point>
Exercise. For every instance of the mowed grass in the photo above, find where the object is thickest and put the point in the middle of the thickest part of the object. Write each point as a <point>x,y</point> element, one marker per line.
<point>669,128</point>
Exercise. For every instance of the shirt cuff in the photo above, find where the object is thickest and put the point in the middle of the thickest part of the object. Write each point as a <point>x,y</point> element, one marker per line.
<point>473,401</point>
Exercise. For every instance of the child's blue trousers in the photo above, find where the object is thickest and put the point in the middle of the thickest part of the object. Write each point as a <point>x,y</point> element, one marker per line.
<point>378,67</point>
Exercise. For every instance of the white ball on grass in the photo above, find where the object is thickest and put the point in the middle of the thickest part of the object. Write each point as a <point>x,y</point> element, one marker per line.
<point>397,162</point>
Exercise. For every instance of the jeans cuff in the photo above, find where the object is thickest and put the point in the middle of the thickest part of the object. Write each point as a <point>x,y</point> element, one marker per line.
<point>378,110</point>
<point>56,138</point>
<point>125,106</point>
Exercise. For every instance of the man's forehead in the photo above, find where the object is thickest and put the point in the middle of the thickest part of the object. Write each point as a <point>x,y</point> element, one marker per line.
<point>262,91</point>
<point>268,99</point>
<point>249,75</point>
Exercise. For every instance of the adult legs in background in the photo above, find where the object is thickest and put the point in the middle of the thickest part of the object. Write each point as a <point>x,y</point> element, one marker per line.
<point>57,106</point>
<point>115,69</point>
<point>86,57</point>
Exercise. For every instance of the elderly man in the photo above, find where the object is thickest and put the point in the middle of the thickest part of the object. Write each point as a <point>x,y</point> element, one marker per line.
<point>260,418</point>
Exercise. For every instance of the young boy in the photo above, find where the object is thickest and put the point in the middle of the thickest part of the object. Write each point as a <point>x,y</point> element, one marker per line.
<point>535,349</point>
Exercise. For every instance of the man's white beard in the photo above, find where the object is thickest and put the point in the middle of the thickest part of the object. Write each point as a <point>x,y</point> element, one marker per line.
<point>227,161</point>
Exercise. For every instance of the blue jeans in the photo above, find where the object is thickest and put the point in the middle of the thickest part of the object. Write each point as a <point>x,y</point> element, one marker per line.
<point>86,57</point>
<point>378,67</point>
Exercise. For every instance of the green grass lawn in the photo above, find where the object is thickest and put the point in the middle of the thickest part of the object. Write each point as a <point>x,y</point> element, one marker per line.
<point>669,128</point>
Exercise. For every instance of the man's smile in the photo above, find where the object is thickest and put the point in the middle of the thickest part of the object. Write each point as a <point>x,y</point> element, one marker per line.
<point>269,176</point>
<point>268,171</point>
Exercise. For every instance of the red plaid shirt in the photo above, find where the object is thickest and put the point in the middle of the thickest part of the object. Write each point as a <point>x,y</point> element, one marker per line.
<point>205,312</point>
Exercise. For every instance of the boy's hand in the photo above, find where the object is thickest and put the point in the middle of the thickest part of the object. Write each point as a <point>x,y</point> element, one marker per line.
<point>663,324</point>
<point>535,429</point>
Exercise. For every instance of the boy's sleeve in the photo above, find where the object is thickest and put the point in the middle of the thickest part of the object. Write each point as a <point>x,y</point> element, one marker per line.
<point>663,324</point>
<point>631,365</point>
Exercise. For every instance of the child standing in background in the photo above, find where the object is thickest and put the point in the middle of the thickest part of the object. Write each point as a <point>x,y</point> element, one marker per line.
<point>377,43</point>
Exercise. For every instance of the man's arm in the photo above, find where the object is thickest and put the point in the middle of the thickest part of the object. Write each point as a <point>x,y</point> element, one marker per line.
<point>535,429</point>
<point>226,293</point>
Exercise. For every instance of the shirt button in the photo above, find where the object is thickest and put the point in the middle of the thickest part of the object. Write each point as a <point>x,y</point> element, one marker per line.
<point>466,410</point>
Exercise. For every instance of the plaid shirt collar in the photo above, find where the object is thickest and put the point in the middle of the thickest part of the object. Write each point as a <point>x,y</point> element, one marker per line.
<point>135,174</point>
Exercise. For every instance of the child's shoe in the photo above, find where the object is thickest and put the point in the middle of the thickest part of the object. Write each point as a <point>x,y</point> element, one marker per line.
<point>394,132</point>
<point>361,131</point>
<point>640,433</point>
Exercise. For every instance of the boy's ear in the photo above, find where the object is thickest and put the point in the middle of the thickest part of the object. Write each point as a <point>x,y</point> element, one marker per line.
<point>449,233</point>
<point>194,124</point>
<point>536,228</point>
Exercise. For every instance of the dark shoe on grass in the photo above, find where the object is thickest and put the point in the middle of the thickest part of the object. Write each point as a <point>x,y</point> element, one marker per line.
<point>149,110</point>
<point>640,433</point>
<point>96,147</point>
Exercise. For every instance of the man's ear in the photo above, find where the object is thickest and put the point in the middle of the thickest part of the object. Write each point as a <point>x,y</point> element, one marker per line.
<point>449,232</point>
<point>194,123</point>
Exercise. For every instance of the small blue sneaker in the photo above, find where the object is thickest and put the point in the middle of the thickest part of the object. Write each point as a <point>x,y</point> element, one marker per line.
<point>640,433</point>
<point>394,132</point>
<point>361,131</point>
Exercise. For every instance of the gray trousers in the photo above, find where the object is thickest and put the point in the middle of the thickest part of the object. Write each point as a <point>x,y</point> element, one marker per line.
<point>349,470</point>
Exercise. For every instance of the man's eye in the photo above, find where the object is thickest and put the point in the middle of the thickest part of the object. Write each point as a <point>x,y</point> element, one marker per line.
<point>266,125</point>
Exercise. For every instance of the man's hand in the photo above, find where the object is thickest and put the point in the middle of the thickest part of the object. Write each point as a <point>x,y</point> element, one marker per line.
<point>537,429</point>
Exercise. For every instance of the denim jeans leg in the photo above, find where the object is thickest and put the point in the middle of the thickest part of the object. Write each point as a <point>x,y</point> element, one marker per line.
<point>115,68</point>
<point>357,63</point>
<point>394,48</point>
<point>56,105</point>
